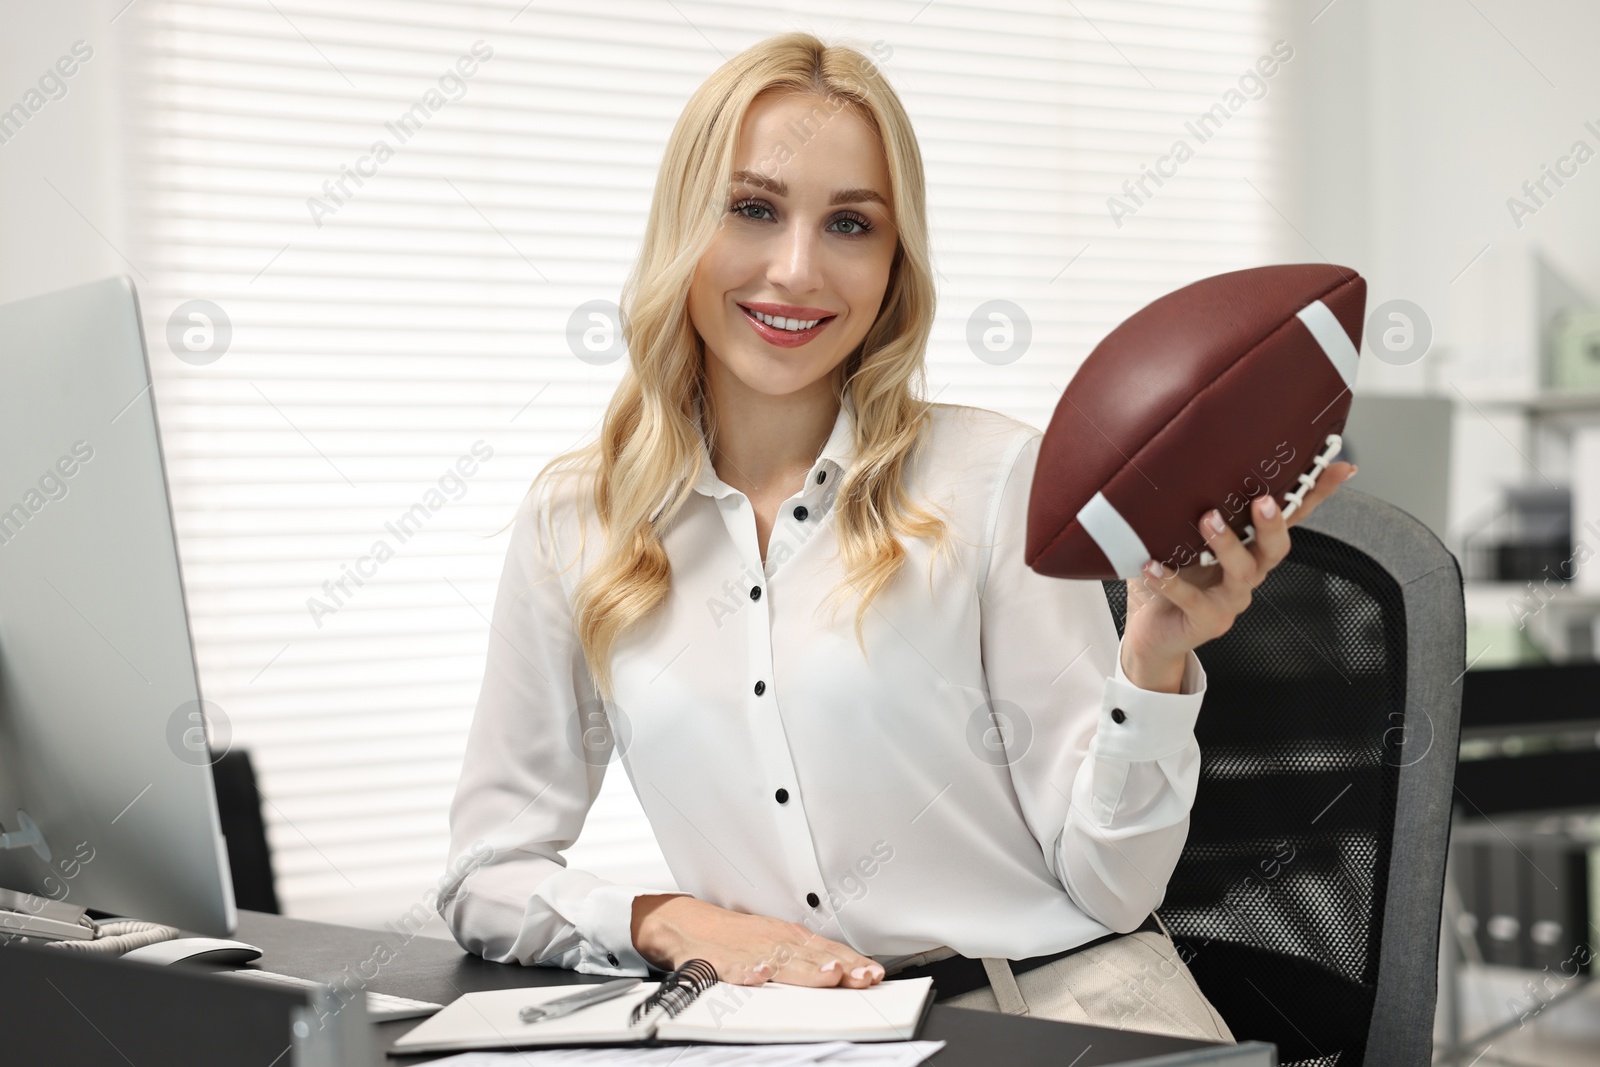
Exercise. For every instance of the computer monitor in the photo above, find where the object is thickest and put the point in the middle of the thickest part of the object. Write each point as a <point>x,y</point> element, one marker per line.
<point>106,798</point>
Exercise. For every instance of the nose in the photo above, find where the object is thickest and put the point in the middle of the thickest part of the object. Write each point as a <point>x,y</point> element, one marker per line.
<point>796,265</point>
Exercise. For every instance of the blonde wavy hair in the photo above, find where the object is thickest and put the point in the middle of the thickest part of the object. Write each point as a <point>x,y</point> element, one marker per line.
<point>650,441</point>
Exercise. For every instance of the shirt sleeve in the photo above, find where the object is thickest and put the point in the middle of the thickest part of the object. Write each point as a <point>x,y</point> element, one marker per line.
<point>1105,771</point>
<point>536,754</point>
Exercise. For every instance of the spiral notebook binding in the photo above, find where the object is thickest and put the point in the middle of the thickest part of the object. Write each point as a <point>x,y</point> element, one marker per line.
<point>1291,501</point>
<point>678,990</point>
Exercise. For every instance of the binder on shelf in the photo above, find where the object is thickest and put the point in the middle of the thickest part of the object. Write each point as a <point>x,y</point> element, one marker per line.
<point>1503,909</point>
<point>1556,919</point>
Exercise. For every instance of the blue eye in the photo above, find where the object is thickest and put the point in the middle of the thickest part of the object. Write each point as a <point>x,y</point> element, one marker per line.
<point>857,220</point>
<point>740,208</point>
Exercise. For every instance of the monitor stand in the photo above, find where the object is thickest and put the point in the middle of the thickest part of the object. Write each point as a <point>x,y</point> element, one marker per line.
<point>29,915</point>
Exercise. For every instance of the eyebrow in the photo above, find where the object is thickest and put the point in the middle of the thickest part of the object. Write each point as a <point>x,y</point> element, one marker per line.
<point>841,196</point>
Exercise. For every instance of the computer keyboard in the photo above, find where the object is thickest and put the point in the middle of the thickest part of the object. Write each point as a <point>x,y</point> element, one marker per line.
<point>382,1007</point>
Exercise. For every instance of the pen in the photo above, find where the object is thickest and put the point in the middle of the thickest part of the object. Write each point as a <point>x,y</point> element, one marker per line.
<point>594,994</point>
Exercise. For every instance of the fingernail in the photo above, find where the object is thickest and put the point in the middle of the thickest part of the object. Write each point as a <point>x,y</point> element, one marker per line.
<point>859,972</point>
<point>1156,570</point>
<point>762,968</point>
<point>830,965</point>
<point>1269,507</point>
<point>1214,520</point>
<point>1352,474</point>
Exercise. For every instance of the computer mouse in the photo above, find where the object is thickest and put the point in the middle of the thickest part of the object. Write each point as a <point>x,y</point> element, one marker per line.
<point>194,950</point>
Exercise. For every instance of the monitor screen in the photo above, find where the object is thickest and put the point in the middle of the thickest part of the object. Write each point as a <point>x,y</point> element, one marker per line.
<point>106,795</point>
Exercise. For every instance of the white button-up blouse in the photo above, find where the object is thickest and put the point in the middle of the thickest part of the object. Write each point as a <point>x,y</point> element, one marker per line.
<point>986,779</point>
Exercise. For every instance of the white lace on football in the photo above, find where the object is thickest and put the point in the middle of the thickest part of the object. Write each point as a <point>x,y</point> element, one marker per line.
<point>1291,500</point>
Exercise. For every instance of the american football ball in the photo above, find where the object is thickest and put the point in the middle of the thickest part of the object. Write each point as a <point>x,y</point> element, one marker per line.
<point>1228,388</point>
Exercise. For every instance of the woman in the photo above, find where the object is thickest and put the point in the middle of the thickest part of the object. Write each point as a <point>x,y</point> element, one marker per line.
<point>976,769</point>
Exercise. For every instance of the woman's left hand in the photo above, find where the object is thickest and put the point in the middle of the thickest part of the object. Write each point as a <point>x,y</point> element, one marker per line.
<point>1170,613</point>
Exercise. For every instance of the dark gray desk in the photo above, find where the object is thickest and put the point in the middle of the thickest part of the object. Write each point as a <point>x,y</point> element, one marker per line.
<point>430,969</point>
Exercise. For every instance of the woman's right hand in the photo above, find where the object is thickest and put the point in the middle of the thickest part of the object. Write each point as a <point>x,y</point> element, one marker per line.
<point>669,930</point>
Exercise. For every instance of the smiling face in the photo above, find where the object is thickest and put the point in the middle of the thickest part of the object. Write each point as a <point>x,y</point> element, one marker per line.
<point>797,271</point>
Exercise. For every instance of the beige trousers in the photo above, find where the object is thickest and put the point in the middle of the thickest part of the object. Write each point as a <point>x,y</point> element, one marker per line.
<point>1133,982</point>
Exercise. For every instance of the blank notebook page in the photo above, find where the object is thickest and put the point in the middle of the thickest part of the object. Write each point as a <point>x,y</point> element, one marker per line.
<point>775,1012</point>
<point>490,1019</point>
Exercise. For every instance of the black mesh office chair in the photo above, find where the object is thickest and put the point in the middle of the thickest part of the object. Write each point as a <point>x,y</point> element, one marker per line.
<point>1307,899</point>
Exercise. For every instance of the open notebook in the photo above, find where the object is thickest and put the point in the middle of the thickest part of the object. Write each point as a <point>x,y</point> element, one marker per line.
<point>719,1012</point>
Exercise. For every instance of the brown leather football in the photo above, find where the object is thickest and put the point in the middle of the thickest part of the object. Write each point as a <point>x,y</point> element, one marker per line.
<point>1228,388</point>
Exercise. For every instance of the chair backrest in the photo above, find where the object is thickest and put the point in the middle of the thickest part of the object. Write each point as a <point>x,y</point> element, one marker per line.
<point>1308,895</point>
<point>249,854</point>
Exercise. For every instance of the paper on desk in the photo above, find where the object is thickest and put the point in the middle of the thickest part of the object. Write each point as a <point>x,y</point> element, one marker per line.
<point>828,1053</point>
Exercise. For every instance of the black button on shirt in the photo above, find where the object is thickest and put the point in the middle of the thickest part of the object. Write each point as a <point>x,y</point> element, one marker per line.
<point>612,956</point>
<point>782,795</point>
<point>801,513</point>
<point>1118,715</point>
<point>813,899</point>
<point>821,475</point>
<point>761,687</point>
<point>755,592</point>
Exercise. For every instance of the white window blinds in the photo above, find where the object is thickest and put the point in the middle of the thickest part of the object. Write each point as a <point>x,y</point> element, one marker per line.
<point>389,213</point>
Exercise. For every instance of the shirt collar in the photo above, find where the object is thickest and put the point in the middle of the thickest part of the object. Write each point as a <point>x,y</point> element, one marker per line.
<point>835,458</point>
